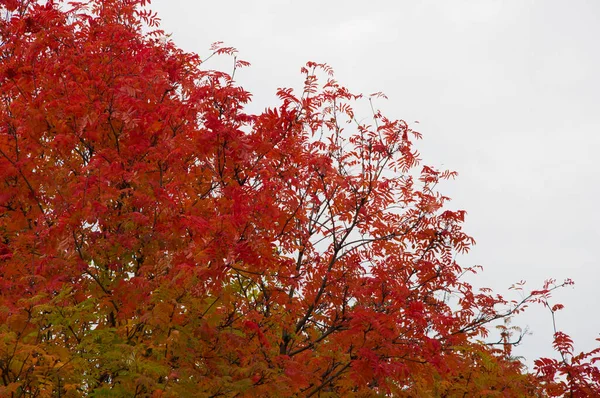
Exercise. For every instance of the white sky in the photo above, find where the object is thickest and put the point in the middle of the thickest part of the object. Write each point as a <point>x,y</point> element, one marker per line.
<point>506,92</point>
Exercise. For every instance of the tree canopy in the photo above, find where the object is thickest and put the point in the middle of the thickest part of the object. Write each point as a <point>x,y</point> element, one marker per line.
<point>156,240</point>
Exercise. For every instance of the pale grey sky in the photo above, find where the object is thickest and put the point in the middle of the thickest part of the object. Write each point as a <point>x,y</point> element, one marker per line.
<point>507,93</point>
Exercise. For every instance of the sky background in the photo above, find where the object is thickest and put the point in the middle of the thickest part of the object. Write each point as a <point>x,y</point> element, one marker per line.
<point>507,93</point>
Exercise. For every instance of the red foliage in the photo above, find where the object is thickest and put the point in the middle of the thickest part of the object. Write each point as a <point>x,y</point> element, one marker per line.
<point>157,240</point>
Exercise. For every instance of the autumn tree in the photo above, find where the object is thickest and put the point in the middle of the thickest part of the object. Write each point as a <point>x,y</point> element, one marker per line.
<point>158,240</point>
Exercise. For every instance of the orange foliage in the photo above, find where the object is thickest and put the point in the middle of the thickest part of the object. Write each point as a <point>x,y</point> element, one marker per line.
<point>158,241</point>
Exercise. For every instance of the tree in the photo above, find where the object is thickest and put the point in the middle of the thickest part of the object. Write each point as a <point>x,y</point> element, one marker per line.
<point>157,240</point>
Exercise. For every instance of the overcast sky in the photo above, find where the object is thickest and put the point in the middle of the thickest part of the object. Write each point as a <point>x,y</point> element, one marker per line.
<point>507,93</point>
